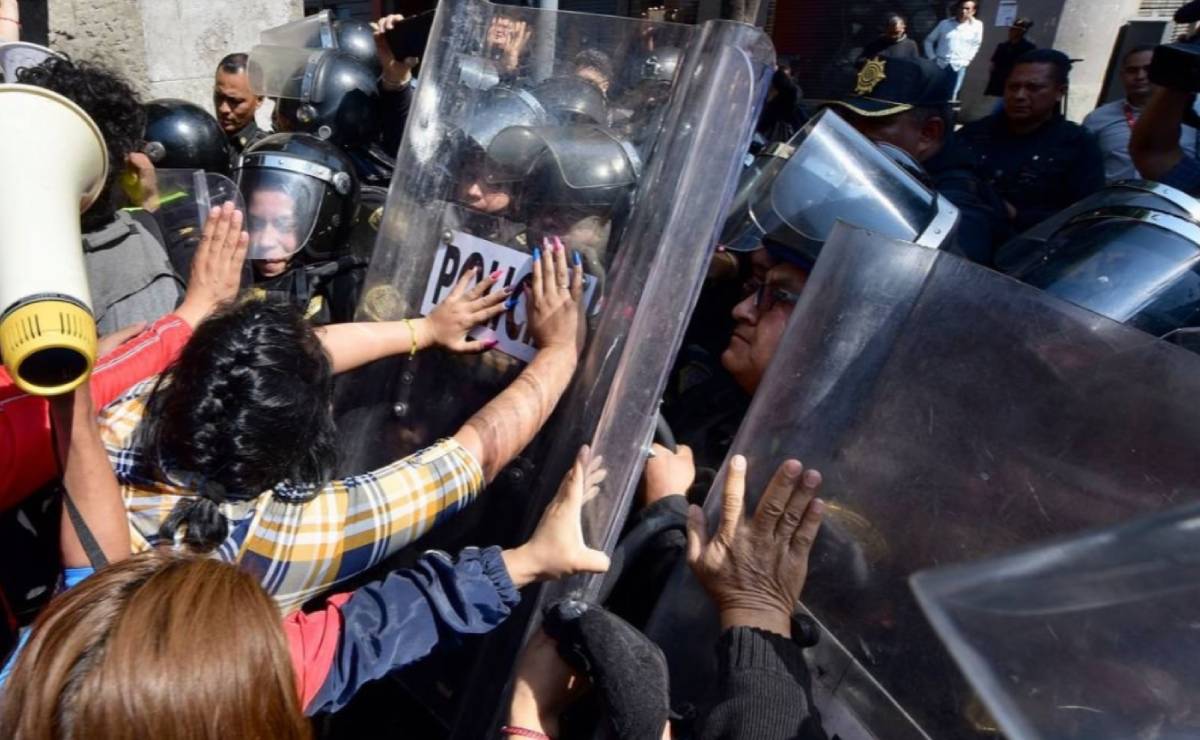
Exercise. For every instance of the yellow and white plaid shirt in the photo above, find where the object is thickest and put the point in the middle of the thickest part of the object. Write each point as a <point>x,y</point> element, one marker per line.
<point>300,550</point>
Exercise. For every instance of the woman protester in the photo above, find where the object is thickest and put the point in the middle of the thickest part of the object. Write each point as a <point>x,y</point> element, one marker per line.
<point>115,655</point>
<point>232,450</point>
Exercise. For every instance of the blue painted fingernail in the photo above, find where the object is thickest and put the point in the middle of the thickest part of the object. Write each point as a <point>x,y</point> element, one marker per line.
<point>511,303</point>
<point>537,254</point>
<point>578,260</point>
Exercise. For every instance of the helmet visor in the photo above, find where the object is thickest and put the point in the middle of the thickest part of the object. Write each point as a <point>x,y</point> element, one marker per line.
<point>282,209</point>
<point>18,55</point>
<point>834,174</point>
<point>313,32</point>
<point>284,72</point>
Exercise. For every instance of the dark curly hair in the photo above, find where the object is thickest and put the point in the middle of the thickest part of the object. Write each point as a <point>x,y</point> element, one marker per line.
<point>247,408</point>
<point>112,103</point>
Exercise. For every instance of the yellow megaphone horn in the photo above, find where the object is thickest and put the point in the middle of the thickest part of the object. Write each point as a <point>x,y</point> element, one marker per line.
<point>47,332</point>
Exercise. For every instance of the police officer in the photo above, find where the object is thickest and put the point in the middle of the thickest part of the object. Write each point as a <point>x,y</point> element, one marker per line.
<point>571,182</point>
<point>183,136</point>
<point>342,100</point>
<point>637,114</point>
<point>302,201</point>
<point>906,103</point>
<point>235,103</point>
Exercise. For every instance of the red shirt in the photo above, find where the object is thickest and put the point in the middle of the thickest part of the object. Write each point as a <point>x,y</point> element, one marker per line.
<point>26,448</point>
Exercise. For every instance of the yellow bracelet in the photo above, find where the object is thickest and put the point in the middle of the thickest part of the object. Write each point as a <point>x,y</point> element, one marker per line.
<point>412,331</point>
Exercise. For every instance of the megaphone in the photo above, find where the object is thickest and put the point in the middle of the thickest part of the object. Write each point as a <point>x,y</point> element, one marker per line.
<point>47,331</point>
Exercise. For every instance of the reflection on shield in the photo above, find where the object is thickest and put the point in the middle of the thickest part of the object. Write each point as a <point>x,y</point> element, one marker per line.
<point>1091,637</point>
<point>643,217</point>
<point>180,201</point>
<point>1130,252</point>
<point>954,413</point>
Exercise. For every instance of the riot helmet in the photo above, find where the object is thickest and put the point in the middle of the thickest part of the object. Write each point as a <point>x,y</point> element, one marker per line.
<point>585,168</point>
<point>573,100</point>
<point>573,182</point>
<point>183,136</point>
<point>18,55</point>
<point>465,148</point>
<point>327,92</point>
<point>301,194</point>
<point>794,193</point>
<point>1130,252</point>
<point>356,39</point>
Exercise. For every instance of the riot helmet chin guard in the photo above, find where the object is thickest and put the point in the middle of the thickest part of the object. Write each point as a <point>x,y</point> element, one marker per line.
<point>794,193</point>
<point>183,136</point>
<point>301,194</point>
<point>1130,252</point>
<point>326,92</point>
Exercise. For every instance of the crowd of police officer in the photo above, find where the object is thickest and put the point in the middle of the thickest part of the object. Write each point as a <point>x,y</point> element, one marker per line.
<point>539,156</point>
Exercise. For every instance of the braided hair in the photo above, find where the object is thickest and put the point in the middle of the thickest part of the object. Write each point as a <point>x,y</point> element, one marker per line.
<point>247,408</point>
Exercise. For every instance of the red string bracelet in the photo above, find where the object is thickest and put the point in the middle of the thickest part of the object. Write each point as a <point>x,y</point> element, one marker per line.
<point>523,732</point>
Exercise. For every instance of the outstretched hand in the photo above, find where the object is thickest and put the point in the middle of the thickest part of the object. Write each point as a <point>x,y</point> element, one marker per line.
<point>217,265</point>
<point>755,570</point>
<point>557,548</point>
<point>464,309</point>
<point>555,295</point>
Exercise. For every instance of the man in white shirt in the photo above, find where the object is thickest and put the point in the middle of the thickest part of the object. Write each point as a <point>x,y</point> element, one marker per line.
<point>955,41</point>
<point>1112,123</point>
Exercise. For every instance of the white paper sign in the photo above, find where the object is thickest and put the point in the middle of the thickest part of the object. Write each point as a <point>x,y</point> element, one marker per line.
<point>510,329</point>
<point>1006,12</point>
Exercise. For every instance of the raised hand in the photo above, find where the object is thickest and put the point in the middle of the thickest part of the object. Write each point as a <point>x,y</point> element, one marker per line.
<point>557,548</point>
<point>464,309</point>
<point>755,570</point>
<point>217,265</point>
<point>555,295</point>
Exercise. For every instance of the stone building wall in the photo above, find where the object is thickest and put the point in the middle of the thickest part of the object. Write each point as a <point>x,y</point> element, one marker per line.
<point>168,48</point>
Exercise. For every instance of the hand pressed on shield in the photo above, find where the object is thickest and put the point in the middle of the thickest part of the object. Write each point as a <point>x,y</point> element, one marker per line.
<point>557,548</point>
<point>667,473</point>
<point>217,265</point>
<point>554,297</point>
<point>754,570</point>
<point>464,309</point>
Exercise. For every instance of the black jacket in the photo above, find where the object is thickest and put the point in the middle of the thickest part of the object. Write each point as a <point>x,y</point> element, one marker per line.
<point>1039,173</point>
<point>983,222</point>
<point>885,46</point>
<point>764,690</point>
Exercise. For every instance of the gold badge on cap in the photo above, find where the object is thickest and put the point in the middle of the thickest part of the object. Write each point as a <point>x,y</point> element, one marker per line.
<point>869,77</point>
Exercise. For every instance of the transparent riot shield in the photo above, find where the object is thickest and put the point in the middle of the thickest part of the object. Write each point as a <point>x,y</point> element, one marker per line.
<point>644,222</point>
<point>179,201</point>
<point>1130,252</point>
<point>311,32</point>
<point>954,413</point>
<point>1089,637</point>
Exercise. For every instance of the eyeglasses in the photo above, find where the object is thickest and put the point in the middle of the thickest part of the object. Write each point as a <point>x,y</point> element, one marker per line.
<point>767,297</point>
